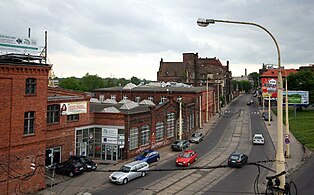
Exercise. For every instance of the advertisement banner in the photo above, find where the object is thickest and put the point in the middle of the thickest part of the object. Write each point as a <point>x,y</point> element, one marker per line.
<point>73,108</point>
<point>269,87</point>
<point>107,132</point>
<point>296,98</point>
<point>18,45</point>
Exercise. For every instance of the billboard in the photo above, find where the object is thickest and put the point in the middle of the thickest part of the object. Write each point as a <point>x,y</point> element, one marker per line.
<point>73,108</point>
<point>269,87</point>
<point>299,98</point>
<point>18,45</point>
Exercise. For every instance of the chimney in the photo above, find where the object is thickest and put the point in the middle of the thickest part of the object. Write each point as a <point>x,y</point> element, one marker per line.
<point>227,65</point>
<point>245,72</point>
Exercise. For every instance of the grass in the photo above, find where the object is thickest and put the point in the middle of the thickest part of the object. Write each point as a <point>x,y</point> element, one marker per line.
<point>301,126</point>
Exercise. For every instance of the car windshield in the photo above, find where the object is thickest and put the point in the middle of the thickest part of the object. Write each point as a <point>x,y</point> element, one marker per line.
<point>144,154</point>
<point>185,155</point>
<point>196,135</point>
<point>234,157</point>
<point>176,142</point>
<point>85,159</point>
<point>258,137</point>
<point>124,169</point>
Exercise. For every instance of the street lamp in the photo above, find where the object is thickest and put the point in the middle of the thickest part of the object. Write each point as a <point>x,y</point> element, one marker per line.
<point>280,160</point>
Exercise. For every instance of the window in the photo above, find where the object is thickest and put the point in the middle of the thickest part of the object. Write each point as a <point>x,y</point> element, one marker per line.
<point>163,99</point>
<point>159,131</point>
<point>53,113</point>
<point>133,138</point>
<point>150,98</point>
<point>30,86</point>
<point>145,133</point>
<point>125,97</point>
<point>192,121</point>
<point>170,124</point>
<point>101,98</point>
<point>73,117</point>
<point>178,125</point>
<point>137,99</point>
<point>113,97</point>
<point>29,123</point>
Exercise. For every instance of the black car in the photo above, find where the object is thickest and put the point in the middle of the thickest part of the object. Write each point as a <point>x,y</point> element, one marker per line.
<point>87,163</point>
<point>266,117</point>
<point>69,168</point>
<point>180,145</point>
<point>237,159</point>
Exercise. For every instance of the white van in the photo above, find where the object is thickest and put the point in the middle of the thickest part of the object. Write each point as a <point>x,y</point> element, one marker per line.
<point>129,171</point>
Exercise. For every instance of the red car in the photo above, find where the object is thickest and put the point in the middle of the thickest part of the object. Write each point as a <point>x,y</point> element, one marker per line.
<point>186,158</point>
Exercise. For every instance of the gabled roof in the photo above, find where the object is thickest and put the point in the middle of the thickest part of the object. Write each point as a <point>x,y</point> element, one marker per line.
<point>110,101</point>
<point>129,86</point>
<point>147,102</point>
<point>124,101</point>
<point>111,110</point>
<point>129,105</point>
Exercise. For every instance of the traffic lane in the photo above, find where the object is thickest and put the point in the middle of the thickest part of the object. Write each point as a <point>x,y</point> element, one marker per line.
<point>303,177</point>
<point>209,142</point>
<point>242,180</point>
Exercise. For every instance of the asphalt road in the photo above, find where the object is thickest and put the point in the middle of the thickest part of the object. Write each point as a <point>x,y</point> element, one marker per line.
<point>242,180</point>
<point>230,183</point>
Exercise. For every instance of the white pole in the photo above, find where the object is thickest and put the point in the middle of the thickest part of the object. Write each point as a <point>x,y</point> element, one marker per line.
<point>180,120</point>
<point>287,120</point>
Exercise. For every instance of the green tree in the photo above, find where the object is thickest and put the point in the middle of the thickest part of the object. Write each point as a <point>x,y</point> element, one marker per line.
<point>70,83</point>
<point>135,80</point>
<point>245,86</point>
<point>303,81</point>
<point>255,76</point>
<point>91,82</point>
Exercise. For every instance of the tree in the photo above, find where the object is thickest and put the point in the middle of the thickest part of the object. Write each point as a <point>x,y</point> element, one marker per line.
<point>135,80</point>
<point>91,82</point>
<point>70,83</point>
<point>255,76</point>
<point>245,85</point>
<point>303,81</point>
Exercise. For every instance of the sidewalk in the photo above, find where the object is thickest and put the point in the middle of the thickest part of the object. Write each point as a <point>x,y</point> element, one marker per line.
<point>298,153</point>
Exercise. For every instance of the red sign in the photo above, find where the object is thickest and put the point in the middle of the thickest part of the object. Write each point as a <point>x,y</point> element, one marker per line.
<point>269,87</point>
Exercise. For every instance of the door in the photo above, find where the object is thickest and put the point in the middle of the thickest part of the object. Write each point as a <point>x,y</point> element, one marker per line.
<point>111,152</point>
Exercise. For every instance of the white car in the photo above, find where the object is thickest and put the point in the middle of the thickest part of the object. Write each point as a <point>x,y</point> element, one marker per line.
<point>258,139</point>
<point>129,171</point>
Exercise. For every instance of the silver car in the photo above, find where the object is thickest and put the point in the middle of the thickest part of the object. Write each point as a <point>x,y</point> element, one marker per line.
<point>196,138</point>
<point>129,171</point>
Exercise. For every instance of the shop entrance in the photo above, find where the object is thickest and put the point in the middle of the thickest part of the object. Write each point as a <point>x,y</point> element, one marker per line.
<point>110,152</point>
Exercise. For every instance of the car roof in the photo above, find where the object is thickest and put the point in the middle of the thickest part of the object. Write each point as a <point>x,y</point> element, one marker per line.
<point>236,154</point>
<point>258,134</point>
<point>134,163</point>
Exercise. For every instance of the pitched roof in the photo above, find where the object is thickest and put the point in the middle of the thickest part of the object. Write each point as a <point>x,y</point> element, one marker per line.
<point>274,72</point>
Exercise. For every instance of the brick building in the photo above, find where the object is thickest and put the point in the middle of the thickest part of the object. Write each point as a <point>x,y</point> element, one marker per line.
<point>196,71</point>
<point>23,91</point>
<point>148,117</point>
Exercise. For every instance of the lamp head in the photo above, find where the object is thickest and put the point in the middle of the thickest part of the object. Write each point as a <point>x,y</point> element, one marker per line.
<point>202,22</point>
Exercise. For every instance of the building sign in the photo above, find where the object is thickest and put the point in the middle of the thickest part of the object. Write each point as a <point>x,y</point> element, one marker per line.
<point>18,45</point>
<point>269,87</point>
<point>109,136</point>
<point>73,108</point>
<point>296,97</point>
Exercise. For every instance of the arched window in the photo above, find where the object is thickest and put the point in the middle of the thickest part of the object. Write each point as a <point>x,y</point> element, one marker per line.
<point>170,125</point>
<point>133,138</point>
<point>145,134</point>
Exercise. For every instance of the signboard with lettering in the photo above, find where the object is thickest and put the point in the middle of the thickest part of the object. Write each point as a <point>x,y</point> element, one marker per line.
<point>73,108</point>
<point>109,136</point>
<point>18,45</point>
<point>269,87</point>
<point>296,98</point>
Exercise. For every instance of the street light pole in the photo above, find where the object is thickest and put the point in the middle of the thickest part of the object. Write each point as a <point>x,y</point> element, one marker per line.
<point>280,160</point>
<point>207,99</point>
<point>287,119</point>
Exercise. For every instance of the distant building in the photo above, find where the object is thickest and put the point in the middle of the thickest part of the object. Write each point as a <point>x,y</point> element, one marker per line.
<point>309,68</point>
<point>196,71</point>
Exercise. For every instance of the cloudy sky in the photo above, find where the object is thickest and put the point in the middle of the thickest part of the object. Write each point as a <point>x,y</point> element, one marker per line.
<point>115,38</point>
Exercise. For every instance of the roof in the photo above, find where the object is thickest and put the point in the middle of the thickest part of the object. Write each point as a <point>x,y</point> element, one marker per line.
<point>147,102</point>
<point>274,72</point>
<point>100,107</point>
<point>158,89</point>
<point>111,110</point>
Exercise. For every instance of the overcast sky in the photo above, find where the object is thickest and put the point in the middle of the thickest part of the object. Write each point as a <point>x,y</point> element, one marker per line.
<point>121,39</point>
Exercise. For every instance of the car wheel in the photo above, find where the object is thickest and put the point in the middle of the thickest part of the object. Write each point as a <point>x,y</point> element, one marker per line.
<point>197,142</point>
<point>71,174</point>
<point>158,159</point>
<point>143,174</point>
<point>125,180</point>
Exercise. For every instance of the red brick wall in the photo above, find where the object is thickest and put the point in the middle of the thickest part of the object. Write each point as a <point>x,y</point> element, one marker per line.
<point>17,151</point>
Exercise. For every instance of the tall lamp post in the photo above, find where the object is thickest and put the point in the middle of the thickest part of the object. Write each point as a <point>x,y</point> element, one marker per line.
<point>280,160</point>
<point>287,118</point>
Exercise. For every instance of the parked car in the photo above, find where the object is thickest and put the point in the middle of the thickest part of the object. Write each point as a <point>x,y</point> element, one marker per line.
<point>196,138</point>
<point>249,103</point>
<point>237,159</point>
<point>258,138</point>
<point>180,145</point>
<point>264,114</point>
<point>69,168</point>
<point>87,163</point>
<point>129,171</point>
<point>149,156</point>
<point>266,117</point>
<point>186,158</point>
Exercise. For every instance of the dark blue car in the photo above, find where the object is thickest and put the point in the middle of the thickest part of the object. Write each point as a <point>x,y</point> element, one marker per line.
<point>149,156</point>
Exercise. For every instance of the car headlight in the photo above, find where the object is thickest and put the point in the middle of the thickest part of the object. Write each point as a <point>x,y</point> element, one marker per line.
<point>88,166</point>
<point>184,162</point>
